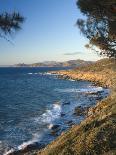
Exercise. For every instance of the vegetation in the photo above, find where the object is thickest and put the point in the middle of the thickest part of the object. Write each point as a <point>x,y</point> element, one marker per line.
<point>9,23</point>
<point>100,25</point>
<point>100,65</point>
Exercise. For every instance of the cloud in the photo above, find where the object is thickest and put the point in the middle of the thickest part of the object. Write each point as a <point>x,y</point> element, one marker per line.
<point>73,53</point>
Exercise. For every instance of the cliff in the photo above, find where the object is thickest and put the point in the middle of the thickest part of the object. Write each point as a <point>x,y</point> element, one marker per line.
<point>97,133</point>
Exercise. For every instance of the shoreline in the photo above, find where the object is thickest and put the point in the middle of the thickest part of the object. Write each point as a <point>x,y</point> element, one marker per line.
<point>97,79</point>
<point>81,111</point>
<point>83,138</point>
<point>96,115</point>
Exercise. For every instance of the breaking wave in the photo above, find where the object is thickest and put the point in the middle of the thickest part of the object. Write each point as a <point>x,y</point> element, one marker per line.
<point>50,115</point>
<point>82,90</point>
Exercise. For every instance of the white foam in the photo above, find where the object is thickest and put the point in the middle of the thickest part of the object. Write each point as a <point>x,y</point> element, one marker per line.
<point>30,73</point>
<point>48,73</point>
<point>50,115</point>
<point>8,152</point>
<point>36,138</point>
<point>71,80</point>
<point>45,73</point>
<point>50,126</point>
<point>83,90</point>
<point>25,144</point>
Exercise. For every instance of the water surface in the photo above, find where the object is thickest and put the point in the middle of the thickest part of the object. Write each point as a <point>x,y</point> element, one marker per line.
<point>32,101</point>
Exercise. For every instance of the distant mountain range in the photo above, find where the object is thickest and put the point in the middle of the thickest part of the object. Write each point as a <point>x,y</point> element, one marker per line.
<point>70,63</point>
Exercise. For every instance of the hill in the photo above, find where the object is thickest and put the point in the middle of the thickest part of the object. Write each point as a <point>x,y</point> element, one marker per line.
<point>70,63</point>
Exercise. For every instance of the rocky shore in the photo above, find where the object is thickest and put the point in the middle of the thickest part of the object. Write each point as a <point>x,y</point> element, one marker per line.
<point>101,73</point>
<point>95,134</point>
<point>97,78</point>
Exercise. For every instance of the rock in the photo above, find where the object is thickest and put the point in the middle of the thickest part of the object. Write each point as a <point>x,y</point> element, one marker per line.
<point>27,148</point>
<point>54,133</point>
<point>66,103</point>
<point>32,146</point>
<point>81,111</point>
<point>62,114</point>
<point>99,98</point>
<point>70,123</point>
<point>55,129</point>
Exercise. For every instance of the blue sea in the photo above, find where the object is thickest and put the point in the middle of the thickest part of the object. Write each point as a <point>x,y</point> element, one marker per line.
<point>33,101</point>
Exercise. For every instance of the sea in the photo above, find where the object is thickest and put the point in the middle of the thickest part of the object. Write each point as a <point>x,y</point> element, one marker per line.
<point>33,102</point>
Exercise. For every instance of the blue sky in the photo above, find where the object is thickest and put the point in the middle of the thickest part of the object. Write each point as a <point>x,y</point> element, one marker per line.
<point>49,33</point>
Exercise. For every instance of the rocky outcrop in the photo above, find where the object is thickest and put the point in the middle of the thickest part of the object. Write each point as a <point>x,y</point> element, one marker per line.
<point>81,111</point>
<point>104,79</point>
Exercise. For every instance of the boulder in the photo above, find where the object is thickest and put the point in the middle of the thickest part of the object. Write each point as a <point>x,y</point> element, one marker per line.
<point>27,148</point>
<point>62,114</point>
<point>55,129</point>
<point>66,103</point>
<point>81,111</point>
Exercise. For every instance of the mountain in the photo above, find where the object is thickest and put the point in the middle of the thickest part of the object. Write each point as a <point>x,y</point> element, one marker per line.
<point>70,63</point>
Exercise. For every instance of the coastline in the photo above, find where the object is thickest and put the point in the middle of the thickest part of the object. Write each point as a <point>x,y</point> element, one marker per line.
<point>30,147</point>
<point>97,78</point>
<point>96,116</point>
<point>86,137</point>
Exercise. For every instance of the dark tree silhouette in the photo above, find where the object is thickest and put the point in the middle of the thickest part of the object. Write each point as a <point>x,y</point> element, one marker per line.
<point>9,23</point>
<point>100,25</point>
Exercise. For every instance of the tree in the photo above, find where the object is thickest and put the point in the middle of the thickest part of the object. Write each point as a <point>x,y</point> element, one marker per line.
<point>100,25</point>
<point>9,23</point>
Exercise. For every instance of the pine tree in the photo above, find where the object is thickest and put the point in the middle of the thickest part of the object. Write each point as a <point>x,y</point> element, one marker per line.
<point>100,25</point>
<point>9,23</point>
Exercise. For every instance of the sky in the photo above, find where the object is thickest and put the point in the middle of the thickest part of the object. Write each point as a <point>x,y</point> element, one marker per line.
<point>49,33</point>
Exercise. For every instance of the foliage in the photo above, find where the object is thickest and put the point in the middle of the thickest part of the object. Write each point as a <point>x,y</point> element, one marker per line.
<point>9,23</point>
<point>100,25</point>
<point>100,65</point>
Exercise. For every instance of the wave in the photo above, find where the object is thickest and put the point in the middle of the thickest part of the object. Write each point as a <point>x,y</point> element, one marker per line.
<point>50,115</point>
<point>26,145</point>
<point>32,73</point>
<point>44,73</point>
<point>35,139</point>
<point>50,126</point>
<point>71,80</point>
<point>48,118</point>
<point>47,73</point>
<point>82,90</point>
<point>9,152</point>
